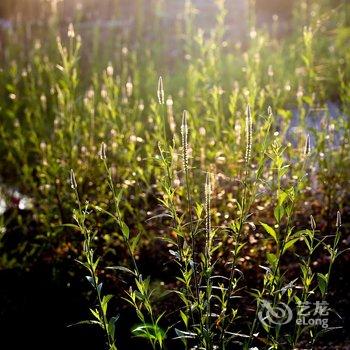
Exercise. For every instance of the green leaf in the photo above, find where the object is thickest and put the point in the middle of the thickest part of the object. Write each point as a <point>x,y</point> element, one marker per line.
<point>134,242</point>
<point>282,197</point>
<point>76,227</point>
<point>111,325</point>
<point>114,319</point>
<point>266,327</point>
<point>278,213</point>
<point>272,259</point>
<point>283,171</point>
<point>240,247</point>
<point>91,280</point>
<point>105,301</point>
<point>150,331</point>
<point>99,288</point>
<point>125,230</point>
<point>322,282</point>
<point>184,318</point>
<point>297,299</point>
<point>121,268</point>
<point>95,264</point>
<point>290,243</point>
<point>90,322</point>
<point>98,208</point>
<point>182,334</point>
<point>270,231</point>
<point>96,314</point>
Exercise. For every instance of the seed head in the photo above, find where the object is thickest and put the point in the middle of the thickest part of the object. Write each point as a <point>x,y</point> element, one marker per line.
<point>73,181</point>
<point>338,222</point>
<point>110,70</point>
<point>312,222</point>
<point>169,102</point>
<point>270,71</point>
<point>184,139</point>
<point>307,147</point>
<point>160,91</point>
<point>207,192</point>
<point>102,151</point>
<point>129,87</point>
<point>248,130</point>
<point>71,32</point>
<point>170,113</point>
<point>269,111</point>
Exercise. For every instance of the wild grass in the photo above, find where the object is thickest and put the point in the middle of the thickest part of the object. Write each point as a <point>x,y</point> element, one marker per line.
<point>216,159</point>
<point>208,314</point>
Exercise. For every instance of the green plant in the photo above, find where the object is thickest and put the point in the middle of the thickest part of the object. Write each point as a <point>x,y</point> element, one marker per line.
<point>191,160</point>
<point>91,263</point>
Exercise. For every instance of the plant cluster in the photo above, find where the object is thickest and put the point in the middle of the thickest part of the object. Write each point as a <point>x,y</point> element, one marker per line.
<point>226,155</point>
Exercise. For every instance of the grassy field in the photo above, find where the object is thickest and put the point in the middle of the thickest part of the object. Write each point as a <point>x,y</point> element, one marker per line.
<point>174,174</point>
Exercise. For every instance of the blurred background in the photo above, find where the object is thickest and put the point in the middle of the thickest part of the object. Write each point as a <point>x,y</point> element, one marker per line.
<point>260,45</point>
